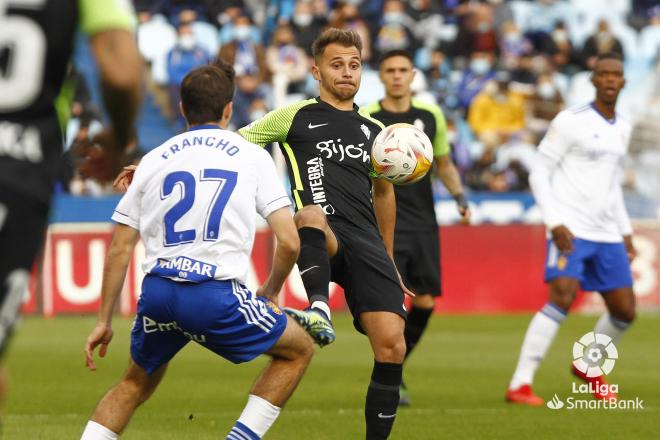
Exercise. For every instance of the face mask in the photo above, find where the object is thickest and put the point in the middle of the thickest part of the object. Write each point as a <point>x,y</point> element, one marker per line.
<point>484,27</point>
<point>560,36</point>
<point>480,66</point>
<point>452,136</point>
<point>393,18</point>
<point>546,90</point>
<point>242,33</point>
<point>186,42</point>
<point>512,37</point>
<point>303,20</point>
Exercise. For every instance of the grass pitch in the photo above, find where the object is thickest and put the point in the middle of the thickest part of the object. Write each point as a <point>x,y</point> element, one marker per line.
<point>457,378</point>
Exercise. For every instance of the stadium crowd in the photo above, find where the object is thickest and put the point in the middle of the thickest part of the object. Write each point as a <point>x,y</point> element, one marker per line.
<point>501,70</point>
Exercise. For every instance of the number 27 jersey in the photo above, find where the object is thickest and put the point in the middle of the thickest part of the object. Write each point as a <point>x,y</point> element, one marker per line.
<point>194,198</point>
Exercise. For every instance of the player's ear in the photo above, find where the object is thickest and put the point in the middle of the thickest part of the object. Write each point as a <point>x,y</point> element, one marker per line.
<point>227,111</point>
<point>315,72</point>
<point>181,111</point>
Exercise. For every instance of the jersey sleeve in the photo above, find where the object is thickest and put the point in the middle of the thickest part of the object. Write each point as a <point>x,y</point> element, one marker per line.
<point>440,141</point>
<point>556,141</point>
<point>274,126</point>
<point>101,15</point>
<point>370,109</point>
<point>127,211</point>
<point>271,194</point>
<point>363,111</point>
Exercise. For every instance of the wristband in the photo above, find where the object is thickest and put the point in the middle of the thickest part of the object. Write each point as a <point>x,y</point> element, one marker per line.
<point>461,201</point>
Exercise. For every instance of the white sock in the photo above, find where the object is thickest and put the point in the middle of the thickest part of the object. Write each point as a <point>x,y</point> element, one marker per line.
<point>322,306</point>
<point>612,327</point>
<point>540,334</point>
<point>259,415</point>
<point>96,431</point>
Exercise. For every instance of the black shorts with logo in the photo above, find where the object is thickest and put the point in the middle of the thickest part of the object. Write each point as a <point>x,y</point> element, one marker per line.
<point>365,271</point>
<point>23,223</point>
<point>417,257</point>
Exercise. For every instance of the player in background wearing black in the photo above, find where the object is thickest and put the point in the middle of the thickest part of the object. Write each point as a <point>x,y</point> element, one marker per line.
<point>36,44</point>
<point>345,236</point>
<point>416,238</point>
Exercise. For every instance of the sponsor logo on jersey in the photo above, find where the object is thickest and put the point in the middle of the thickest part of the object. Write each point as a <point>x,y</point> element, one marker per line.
<point>184,268</point>
<point>366,131</point>
<point>334,149</point>
<point>151,326</point>
<point>312,126</point>
<point>315,176</point>
<point>271,305</point>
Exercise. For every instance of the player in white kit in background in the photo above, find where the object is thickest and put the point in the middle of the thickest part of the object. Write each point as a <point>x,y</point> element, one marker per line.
<point>576,181</point>
<point>193,202</point>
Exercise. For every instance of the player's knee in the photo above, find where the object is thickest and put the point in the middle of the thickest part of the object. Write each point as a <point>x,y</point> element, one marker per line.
<point>423,301</point>
<point>626,315</point>
<point>392,350</point>
<point>310,216</point>
<point>562,298</point>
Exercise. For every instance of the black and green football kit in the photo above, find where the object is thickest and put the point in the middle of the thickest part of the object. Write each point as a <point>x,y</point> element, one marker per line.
<point>36,44</point>
<point>327,152</point>
<point>416,239</point>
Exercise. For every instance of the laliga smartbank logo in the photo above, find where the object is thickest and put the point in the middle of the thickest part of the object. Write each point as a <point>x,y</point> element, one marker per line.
<point>594,355</point>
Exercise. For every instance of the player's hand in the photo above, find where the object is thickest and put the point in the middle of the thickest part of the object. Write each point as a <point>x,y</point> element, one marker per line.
<point>630,247</point>
<point>124,179</point>
<point>463,208</point>
<point>403,286</point>
<point>101,335</point>
<point>563,239</point>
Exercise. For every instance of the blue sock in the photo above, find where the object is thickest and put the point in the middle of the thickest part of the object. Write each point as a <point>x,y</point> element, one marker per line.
<point>242,432</point>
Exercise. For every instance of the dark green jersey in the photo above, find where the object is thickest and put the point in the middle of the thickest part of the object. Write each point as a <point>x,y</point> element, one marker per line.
<point>36,44</point>
<point>414,203</point>
<point>328,156</point>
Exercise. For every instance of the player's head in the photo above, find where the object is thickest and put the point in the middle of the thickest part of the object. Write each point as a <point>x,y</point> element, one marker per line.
<point>396,73</point>
<point>607,77</point>
<point>206,94</point>
<point>338,62</point>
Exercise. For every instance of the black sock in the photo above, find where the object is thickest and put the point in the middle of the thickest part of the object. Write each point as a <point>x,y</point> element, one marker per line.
<point>314,264</point>
<point>382,399</point>
<point>415,325</point>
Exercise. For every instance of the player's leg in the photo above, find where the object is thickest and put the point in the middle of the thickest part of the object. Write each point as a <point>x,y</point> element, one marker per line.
<point>621,313</point>
<point>385,333</point>
<point>317,245</point>
<point>563,273</point>
<point>22,226</point>
<point>116,408</point>
<point>290,356</point>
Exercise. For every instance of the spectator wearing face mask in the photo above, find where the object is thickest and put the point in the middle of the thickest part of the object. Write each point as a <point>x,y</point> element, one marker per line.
<point>564,55</point>
<point>307,25</point>
<point>288,62</point>
<point>543,105</point>
<point>347,16</point>
<point>396,31</point>
<point>185,56</point>
<point>476,29</point>
<point>479,72</point>
<point>602,41</point>
<point>245,54</point>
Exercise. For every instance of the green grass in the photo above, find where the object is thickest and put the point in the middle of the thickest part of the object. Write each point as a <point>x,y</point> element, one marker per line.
<point>457,380</point>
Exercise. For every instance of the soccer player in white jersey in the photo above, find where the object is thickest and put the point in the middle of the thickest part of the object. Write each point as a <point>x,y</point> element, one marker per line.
<point>576,181</point>
<point>193,202</point>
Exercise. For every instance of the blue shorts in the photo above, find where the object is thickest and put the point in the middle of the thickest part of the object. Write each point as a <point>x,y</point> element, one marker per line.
<point>599,267</point>
<point>223,316</point>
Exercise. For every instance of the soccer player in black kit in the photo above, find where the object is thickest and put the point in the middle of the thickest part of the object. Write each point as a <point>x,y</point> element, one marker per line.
<point>36,44</point>
<point>345,218</point>
<point>416,238</point>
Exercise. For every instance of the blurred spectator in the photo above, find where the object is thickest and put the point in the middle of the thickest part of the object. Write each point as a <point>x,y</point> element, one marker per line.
<point>307,25</point>
<point>476,30</point>
<point>178,11</point>
<point>602,41</point>
<point>649,37</point>
<point>479,72</point>
<point>278,13</point>
<point>543,105</point>
<point>185,56</point>
<point>250,100</point>
<point>347,16</point>
<point>497,112</point>
<point>396,31</point>
<point>502,13</point>
<point>542,17</point>
<point>641,11</point>
<point>247,56</point>
<point>428,22</point>
<point>523,75</point>
<point>563,55</point>
<point>288,62</point>
<point>513,45</point>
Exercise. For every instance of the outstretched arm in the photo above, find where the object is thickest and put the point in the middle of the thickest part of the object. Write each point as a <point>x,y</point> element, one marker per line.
<point>114,272</point>
<point>448,174</point>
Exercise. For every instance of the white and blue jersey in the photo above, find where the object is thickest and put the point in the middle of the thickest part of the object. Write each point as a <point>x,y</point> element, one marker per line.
<point>576,181</point>
<point>194,200</point>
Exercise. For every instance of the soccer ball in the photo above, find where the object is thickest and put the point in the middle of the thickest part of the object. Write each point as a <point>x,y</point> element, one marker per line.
<point>401,154</point>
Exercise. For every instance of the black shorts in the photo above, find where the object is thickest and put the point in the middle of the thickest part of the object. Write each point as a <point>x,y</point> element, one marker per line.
<point>417,257</point>
<point>23,222</point>
<point>365,271</point>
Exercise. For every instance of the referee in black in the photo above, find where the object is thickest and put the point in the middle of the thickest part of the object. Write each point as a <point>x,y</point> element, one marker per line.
<point>345,236</point>
<point>416,238</point>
